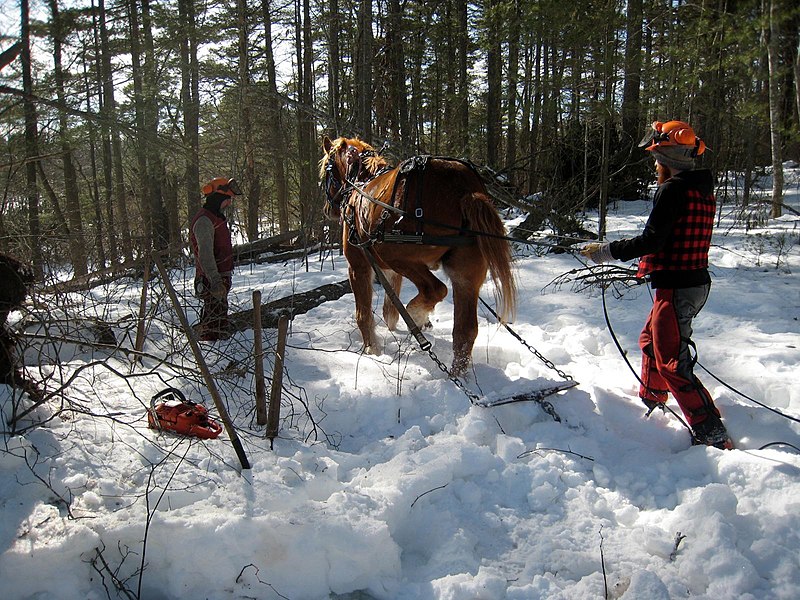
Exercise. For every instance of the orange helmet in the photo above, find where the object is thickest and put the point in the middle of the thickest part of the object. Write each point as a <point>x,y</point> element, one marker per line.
<point>222,185</point>
<point>673,133</point>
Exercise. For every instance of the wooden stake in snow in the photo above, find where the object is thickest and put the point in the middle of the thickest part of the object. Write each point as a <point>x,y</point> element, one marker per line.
<point>277,381</point>
<point>201,363</point>
<point>258,353</point>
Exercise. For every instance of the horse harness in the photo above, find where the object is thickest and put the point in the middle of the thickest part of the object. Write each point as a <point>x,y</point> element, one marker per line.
<point>415,164</point>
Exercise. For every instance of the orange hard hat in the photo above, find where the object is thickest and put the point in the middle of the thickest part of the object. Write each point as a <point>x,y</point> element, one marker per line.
<point>222,185</point>
<point>673,133</point>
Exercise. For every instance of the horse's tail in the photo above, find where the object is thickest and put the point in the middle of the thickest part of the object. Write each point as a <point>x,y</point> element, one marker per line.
<point>483,218</point>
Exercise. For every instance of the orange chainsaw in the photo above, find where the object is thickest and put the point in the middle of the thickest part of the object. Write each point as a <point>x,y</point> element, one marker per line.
<point>171,411</point>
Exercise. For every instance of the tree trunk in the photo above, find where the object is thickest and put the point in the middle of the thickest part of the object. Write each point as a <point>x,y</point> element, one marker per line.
<point>99,228</point>
<point>275,131</point>
<point>31,145</point>
<point>307,158</point>
<point>608,93</point>
<point>775,109</point>
<point>398,100</point>
<point>494,82</point>
<point>631,90</point>
<point>363,69</point>
<point>77,245</point>
<point>797,76</point>
<point>252,181</point>
<point>533,168</point>
<point>143,183</point>
<point>463,75</point>
<point>112,149</point>
<point>161,234</point>
<point>334,31</point>
<point>511,96</point>
<point>190,98</point>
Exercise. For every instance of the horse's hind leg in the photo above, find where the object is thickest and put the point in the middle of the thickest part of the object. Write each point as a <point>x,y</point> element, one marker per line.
<point>390,314</point>
<point>467,272</point>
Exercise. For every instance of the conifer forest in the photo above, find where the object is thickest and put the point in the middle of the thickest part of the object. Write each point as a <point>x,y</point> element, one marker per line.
<point>113,113</point>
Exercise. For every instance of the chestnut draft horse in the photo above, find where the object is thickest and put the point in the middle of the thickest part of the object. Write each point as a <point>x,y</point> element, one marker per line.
<point>425,213</point>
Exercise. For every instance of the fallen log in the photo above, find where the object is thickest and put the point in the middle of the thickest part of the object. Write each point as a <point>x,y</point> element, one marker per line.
<point>134,269</point>
<point>296,304</point>
<point>261,246</point>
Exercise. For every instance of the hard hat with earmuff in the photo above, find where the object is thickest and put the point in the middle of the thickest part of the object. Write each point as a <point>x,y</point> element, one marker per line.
<point>673,133</point>
<point>222,185</point>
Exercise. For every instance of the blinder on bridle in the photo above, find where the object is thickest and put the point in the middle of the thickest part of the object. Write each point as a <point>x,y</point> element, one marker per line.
<point>335,187</point>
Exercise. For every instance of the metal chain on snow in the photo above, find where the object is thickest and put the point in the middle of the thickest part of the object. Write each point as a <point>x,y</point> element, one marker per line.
<point>533,350</point>
<point>473,398</point>
<point>550,410</point>
<point>423,342</point>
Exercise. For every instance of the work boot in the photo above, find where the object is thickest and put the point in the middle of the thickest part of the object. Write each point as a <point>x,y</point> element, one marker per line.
<point>711,432</point>
<point>652,405</point>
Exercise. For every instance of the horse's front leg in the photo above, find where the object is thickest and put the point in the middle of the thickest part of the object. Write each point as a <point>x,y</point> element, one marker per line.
<point>390,314</point>
<point>361,276</point>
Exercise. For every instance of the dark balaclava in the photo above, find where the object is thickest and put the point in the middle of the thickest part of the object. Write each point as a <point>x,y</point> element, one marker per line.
<point>677,158</point>
<point>214,202</point>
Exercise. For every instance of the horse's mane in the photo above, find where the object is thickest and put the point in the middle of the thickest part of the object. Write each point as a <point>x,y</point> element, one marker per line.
<point>373,162</point>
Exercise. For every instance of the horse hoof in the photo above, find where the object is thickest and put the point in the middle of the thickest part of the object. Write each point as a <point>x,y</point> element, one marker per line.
<point>459,367</point>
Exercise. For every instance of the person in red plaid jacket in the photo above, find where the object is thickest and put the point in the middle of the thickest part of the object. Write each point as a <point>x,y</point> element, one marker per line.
<point>673,255</point>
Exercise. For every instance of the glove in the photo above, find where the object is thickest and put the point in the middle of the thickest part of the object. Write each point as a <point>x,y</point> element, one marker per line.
<point>598,252</point>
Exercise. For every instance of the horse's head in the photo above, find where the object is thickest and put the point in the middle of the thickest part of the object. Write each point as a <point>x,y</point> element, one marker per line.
<point>346,161</point>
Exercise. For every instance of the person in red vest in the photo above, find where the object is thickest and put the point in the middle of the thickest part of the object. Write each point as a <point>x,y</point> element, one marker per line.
<point>673,254</point>
<point>213,258</point>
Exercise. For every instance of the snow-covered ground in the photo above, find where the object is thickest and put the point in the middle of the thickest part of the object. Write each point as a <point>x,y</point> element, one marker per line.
<point>386,483</point>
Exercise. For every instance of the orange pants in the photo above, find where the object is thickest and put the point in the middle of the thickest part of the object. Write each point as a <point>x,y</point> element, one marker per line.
<point>667,364</point>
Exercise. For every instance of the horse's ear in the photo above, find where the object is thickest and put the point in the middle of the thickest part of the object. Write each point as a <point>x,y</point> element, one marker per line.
<point>327,144</point>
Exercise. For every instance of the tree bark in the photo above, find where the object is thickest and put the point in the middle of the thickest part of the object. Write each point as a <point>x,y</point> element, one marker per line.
<point>463,75</point>
<point>398,116</point>
<point>775,108</point>
<point>31,144</point>
<point>494,81</point>
<point>112,149</point>
<point>162,236</point>
<point>252,181</point>
<point>190,98</point>
<point>307,158</point>
<point>275,128</point>
<point>631,87</point>
<point>99,227</point>
<point>143,182</point>
<point>333,34</point>
<point>77,245</point>
<point>511,95</point>
<point>608,93</point>
<point>363,69</point>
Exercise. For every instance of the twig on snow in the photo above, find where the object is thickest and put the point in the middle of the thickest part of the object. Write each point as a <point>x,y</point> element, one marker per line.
<point>678,539</point>
<point>428,492</point>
